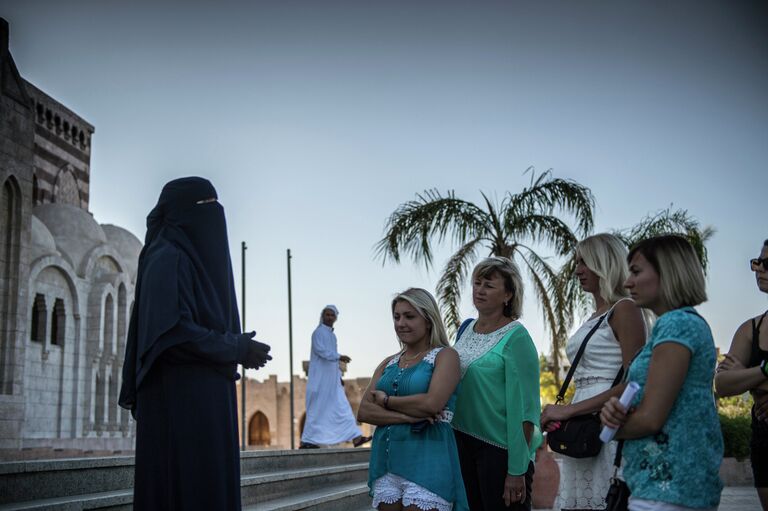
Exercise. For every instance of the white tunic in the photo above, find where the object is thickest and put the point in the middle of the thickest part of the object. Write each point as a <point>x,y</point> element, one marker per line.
<point>329,416</point>
<point>584,482</point>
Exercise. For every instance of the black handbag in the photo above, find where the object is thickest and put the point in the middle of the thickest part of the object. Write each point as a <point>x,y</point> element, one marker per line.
<point>579,437</point>
<point>617,498</point>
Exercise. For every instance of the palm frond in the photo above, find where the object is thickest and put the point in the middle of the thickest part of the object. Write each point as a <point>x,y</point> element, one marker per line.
<point>542,276</point>
<point>452,280</point>
<point>547,194</point>
<point>411,229</point>
<point>666,221</point>
<point>546,229</point>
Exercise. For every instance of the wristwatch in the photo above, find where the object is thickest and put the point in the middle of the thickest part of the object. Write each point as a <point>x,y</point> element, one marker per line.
<point>764,367</point>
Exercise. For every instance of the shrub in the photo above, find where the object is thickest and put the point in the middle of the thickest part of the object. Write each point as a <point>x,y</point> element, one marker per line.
<point>736,434</point>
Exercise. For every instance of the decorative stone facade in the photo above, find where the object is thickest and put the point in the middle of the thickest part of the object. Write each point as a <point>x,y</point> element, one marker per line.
<point>66,282</point>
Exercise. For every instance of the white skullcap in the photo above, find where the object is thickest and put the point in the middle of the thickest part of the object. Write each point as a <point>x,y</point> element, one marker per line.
<point>331,307</point>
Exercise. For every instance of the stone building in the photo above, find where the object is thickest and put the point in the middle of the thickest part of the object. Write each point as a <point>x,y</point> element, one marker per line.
<point>268,409</point>
<point>66,282</point>
<point>66,291</point>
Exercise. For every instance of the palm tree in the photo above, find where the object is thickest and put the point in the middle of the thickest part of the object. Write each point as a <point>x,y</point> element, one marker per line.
<point>573,300</point>
<point>667,221</point>
<point>515,228</point>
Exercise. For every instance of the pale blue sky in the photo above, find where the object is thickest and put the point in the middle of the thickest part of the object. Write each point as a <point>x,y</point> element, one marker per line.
<point>315,120</point>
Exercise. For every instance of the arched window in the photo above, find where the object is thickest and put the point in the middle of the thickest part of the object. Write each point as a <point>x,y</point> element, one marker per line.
<point>258,430</point>
<point>35,191</point>
<point>99,402</point>
<point>109,325</point>
<point>39,313</point>
<point>10,241</point>
<point>122,319</point>
<point>113,395</point>
<point>58,323</point>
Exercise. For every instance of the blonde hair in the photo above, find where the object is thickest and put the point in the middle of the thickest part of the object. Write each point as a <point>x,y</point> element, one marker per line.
<point>513,281</point>
<point>681,276</point>
<point>606,256</point>
<point>425,304</point>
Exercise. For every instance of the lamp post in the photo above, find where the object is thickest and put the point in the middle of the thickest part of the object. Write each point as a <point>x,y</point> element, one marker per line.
<point>290,348</point>
<point>243,445</point>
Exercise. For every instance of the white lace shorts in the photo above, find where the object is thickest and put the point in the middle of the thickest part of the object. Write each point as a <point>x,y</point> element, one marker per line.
<point>390,488</point>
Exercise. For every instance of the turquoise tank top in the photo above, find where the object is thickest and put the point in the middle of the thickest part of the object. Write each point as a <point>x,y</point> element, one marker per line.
<point>428,458</point>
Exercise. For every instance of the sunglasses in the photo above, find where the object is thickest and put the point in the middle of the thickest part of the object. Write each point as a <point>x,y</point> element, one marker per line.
<point>755,264</point>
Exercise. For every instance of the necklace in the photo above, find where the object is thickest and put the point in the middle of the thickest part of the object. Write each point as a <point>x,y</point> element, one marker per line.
<point>408,359</point>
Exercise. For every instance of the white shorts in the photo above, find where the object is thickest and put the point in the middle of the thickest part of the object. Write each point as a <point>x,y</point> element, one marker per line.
<point>390,488</point>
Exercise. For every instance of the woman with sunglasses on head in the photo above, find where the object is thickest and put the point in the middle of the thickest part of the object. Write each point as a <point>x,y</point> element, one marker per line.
<point>616,332</point>
<point>673,445</point>
<point>414,463</point>
<point>744,370</point>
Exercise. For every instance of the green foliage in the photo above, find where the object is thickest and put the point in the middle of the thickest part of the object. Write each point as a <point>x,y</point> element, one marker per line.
<point>736,434</point>
<point>548,386</point>
<point>667,221</point>
<point>516,228</point>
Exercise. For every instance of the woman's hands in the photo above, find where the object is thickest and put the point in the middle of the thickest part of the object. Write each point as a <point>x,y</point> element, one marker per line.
<point>514,489</point>
<point>378,397</point>
<point>613,414</point>
<point>553,415</point>
<point>729,362</point>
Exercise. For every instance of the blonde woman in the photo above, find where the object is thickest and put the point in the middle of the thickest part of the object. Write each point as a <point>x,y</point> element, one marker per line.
<point>414,464</point>
<point>618,332</point>
<point>673,445</point>
<point>498,405</point>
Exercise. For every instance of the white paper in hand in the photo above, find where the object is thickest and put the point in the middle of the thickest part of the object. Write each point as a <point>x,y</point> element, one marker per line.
<point>606,435</point>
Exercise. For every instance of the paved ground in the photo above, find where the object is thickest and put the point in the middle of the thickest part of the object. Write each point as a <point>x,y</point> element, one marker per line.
<point>736,498</point>
<point>739,498</point>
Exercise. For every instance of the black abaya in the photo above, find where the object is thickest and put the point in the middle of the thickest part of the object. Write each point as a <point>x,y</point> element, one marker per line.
<point>183,345</point>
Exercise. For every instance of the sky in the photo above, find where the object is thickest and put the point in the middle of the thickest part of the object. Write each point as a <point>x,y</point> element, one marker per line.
<point>315,120</point>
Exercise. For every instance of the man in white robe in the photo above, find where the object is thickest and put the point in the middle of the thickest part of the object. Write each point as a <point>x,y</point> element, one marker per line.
<point>329,417</point>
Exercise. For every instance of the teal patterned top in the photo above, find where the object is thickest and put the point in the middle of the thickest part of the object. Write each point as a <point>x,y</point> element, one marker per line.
<point>681,464</point>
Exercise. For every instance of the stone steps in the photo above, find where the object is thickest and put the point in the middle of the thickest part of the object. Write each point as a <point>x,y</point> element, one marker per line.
<point>347,497</point>
<point>323,479</point>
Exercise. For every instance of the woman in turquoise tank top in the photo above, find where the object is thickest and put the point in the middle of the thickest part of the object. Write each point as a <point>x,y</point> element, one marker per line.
<point>414,462</point>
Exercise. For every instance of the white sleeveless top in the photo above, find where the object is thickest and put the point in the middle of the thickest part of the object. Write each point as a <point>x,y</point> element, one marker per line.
<point>602,357</point>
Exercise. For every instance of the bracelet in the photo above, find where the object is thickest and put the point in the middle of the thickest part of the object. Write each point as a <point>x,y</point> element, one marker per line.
<point>386,402</point>
<point>763,368</point>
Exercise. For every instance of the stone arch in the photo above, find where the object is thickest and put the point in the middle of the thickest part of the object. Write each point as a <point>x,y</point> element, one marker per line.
<point>66,189</point>
<point>10,246</point>
<point>258,430</point>
<point>63,267</point>
<point>99,260</point>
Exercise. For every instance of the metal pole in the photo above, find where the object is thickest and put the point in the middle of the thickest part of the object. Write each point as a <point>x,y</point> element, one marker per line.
<point>290,348</point>
<point>243,445</point>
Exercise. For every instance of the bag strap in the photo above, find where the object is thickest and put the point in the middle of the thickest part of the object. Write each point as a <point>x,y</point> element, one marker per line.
<point>463,327</point>
<point>567,381</point>
<point>617,458</point>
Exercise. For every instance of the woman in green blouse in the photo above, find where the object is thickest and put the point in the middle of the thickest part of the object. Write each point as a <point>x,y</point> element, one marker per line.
<point>497,408</point>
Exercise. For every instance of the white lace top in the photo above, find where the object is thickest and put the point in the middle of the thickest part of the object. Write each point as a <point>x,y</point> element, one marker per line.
<point>472,345</point>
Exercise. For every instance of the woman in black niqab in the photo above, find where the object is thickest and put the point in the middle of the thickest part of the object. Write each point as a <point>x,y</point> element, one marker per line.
<point>183,347</point>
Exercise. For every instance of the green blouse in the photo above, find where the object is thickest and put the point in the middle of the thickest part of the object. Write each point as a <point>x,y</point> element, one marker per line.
<point>499,391</point>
